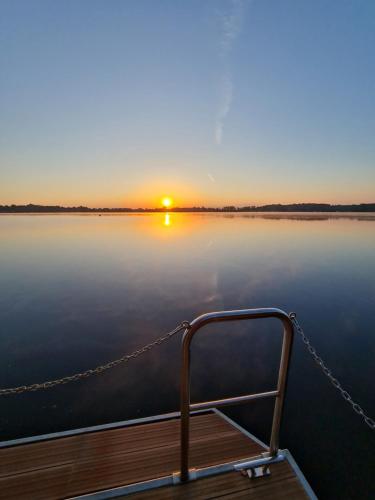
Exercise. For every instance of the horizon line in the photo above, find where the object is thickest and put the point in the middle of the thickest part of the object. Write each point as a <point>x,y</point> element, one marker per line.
<point>291,207</point>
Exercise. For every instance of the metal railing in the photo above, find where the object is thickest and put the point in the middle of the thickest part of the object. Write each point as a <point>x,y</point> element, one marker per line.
<point>278,394</point>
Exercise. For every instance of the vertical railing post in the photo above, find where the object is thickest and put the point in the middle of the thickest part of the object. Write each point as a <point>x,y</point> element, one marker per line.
<point>185,407</point>
<point>185,374</point>
<point>281,385</point>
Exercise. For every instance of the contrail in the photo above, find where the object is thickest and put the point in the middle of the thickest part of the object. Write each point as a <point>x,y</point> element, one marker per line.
<point>231,25</point>
<point>226,97</point>
<point>230,28</point>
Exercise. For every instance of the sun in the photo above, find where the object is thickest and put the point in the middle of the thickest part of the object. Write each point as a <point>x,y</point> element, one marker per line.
<point>166,202</point>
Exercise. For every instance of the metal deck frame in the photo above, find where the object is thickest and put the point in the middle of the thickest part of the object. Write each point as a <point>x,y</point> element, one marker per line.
<point>171,479</point>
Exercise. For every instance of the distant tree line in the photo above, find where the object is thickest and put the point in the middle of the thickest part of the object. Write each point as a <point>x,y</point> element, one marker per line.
<point>310,207</point>
<point>293,207</point>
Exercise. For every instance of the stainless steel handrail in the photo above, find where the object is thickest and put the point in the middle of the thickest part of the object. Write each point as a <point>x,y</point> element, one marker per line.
<point>278,394</point>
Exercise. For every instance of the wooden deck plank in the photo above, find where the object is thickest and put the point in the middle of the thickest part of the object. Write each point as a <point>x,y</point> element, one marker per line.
<point>281,485</point>
<point>123,441</point>
<point>90,462</point>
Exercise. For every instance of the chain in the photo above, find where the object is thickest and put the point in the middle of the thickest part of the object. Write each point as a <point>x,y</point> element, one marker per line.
<point>160,340</point>
<point>318,360</point>
<point>95,371</point>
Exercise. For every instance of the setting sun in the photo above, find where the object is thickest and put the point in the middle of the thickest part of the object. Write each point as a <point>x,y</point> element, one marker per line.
<point>166,202</point>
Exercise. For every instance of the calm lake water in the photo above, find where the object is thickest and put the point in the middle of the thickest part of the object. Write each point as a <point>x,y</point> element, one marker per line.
<point>79,290</point>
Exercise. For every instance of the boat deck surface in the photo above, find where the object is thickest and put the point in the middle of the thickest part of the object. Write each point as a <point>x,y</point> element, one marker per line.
<point>282,485</point>
<point>89,462</point>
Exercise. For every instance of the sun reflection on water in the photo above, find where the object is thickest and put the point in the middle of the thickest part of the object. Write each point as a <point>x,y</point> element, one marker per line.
<point>167,219</point>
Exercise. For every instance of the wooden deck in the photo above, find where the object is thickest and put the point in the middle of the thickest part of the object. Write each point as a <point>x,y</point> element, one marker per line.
<point>70,466</point>
<point>281,485</point>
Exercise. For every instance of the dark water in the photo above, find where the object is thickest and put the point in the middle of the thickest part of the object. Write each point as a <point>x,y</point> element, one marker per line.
<point>79,290</point>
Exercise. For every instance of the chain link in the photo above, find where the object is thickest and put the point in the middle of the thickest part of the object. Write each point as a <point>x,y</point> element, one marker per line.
<point>318,360</point>
<point>95,371</point>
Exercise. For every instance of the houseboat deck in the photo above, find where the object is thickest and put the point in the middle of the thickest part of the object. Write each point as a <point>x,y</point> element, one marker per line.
<point>120,459</point>
<point>282,485</point>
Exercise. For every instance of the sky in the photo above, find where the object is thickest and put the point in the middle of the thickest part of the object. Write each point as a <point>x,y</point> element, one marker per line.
<point>118,103</point>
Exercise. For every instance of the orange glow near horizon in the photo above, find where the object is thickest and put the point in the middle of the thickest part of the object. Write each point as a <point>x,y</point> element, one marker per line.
<point>153,193</point>
<point>150,194</point>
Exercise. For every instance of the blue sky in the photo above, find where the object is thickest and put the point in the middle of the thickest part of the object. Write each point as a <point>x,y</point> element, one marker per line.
<point>118,103</point>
